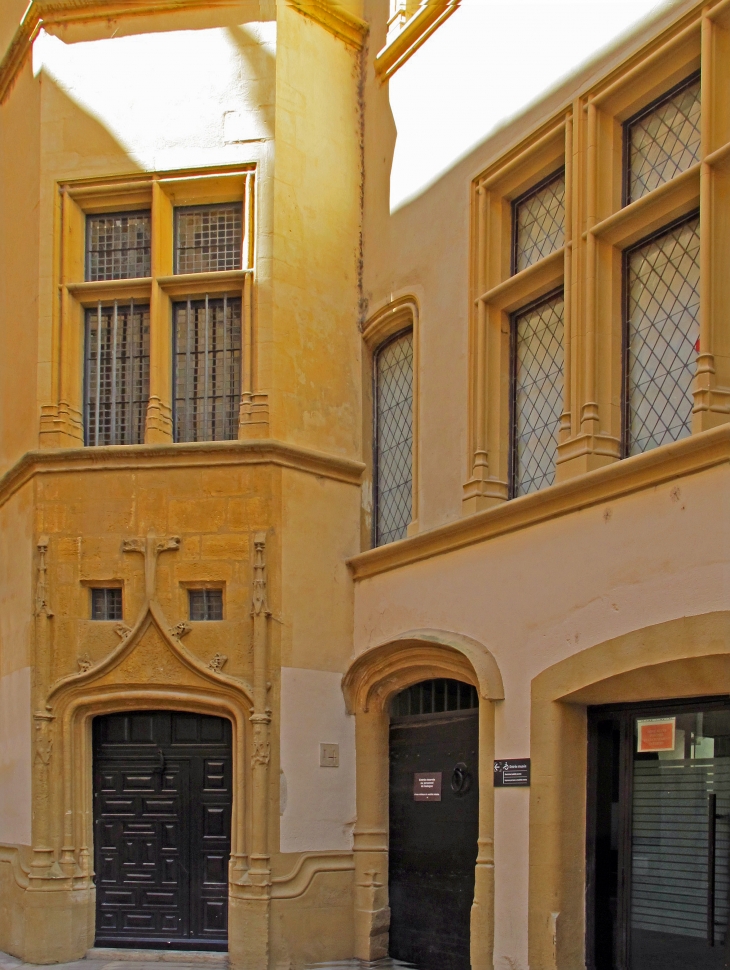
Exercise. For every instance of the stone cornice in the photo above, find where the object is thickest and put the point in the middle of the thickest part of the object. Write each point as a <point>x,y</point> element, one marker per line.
<point>204,454</point>
<point>48,13</point>
<point>415,32</point>
<point>686,457</point>
<point>335,19</point>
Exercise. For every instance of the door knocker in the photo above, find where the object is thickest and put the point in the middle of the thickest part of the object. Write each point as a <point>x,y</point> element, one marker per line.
<point>460,779</point>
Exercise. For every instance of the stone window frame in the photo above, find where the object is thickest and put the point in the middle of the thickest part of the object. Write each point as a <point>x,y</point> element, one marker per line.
<point>62,420</point>
<point>588,134</point>
<point>394,318</point>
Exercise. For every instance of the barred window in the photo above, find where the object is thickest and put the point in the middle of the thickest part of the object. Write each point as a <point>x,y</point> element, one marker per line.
<point>393,438</point>
<point>208,238</point>
<point>118,246</point>
<point>434,697</point>
<point>106,604</point>
<point>117,373</point>
<point>207,369</point>
<point>663,139</point>
<point>662,342</point>
<point>205,604</point>
<point>538,222</point>
<point>537,393</point>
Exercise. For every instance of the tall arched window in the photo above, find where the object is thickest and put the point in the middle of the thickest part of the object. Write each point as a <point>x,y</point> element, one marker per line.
<point>393,438</point>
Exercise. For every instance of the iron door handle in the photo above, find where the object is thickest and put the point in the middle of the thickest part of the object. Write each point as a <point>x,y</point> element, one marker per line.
<point>460,779</point>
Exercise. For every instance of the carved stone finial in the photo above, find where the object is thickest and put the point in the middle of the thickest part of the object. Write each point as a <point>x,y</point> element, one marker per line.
<point>85,663</point>
<point>260,605</point>
<point>151,547</point>
<point>218,663</point>
<point>180,629</point>
<point>42,607</point>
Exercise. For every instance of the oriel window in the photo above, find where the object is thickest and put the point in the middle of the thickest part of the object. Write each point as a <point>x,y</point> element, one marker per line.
<point>393,438</point>
<point>538,222</point>
<point>663,139</point>
<point>117,373</point>
<point>537,393</point>
<point>662,336</point>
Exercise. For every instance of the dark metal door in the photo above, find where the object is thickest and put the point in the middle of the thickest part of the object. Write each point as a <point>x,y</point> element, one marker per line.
<point>433,844</point>
<point>162,820</point>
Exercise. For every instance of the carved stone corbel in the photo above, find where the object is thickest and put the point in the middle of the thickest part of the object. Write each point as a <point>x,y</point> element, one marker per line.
<point>217,663</point>
<point>180,629</point>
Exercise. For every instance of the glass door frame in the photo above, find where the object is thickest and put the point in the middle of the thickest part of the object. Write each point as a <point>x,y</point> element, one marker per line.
<point>623,714</point>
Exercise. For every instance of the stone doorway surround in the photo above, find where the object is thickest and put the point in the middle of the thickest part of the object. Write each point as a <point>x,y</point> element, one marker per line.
<point>368,685</point>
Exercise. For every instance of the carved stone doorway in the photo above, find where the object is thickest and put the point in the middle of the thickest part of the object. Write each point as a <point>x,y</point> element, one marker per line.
<point>162,829</point>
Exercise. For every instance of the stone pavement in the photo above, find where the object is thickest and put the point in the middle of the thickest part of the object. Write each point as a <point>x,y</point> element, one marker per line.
<point>103,959</point>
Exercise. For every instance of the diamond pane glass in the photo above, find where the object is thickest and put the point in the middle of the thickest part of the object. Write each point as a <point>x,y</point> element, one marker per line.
<point>663,335</point>
<point>207,369</point>
<point>117,373</point>
<point>539,223</point>
<point>394,439</point>
<point>664,141</point>
<point>538,394</point>
<point>118,246</point>
<point>208,238</point>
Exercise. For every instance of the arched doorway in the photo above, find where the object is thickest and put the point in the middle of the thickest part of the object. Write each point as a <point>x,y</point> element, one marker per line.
<point>163,794</point>
<point>434,822</point>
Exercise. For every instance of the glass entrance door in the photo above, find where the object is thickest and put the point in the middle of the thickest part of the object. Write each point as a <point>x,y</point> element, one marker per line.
<point>659,837</point>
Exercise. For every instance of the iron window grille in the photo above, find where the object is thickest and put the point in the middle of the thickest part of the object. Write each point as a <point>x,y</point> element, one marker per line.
<point>537,393</point>
<point>117,373</point>
<point>118,246</point>
<point>661,342</point>
<point>393,465</point>
<point>106,604</point>
<point>209,238</point>
<point>205,604</point>
<point>434,697</point>
<point>663,139</point>
<point>207,369</point>
<point>538,222</point>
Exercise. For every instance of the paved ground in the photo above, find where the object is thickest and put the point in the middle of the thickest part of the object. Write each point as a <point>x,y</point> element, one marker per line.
<point>148,960</point>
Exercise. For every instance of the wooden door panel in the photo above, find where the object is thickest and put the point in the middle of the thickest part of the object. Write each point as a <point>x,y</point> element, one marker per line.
<point>162,805</point>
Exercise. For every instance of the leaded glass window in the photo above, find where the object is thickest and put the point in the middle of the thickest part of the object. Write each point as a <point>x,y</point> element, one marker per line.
<point>663,277</point>
<point>537,359</point>
<point>539,222</point>
<point>117,373</point>
<point>118,246</point>
<point>664,139</point>
<point>208,238</point>
<point>393,438</point>
<point>207,369</point>
<point>106,604</point>
<point>205,604</point>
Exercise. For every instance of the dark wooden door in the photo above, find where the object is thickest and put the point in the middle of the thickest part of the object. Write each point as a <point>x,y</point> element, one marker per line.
<point>162,822</point>
<point>433,844</point>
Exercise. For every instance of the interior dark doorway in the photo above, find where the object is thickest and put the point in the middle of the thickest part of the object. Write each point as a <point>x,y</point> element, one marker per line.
<point>162,824</point>
<point>658,836</point>
<point>434,822</point>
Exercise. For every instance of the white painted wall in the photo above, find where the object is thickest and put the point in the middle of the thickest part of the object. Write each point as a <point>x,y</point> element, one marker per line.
<point>318,804</point>
<point>213,91</point>
<point>15,758</point>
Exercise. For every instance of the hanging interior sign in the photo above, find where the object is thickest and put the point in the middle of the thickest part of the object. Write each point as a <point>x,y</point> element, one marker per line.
<point>655,733</point>
<point>427,786</point>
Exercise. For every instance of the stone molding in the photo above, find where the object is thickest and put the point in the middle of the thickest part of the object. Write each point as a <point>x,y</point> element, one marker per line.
<point>208,454</point>
<point>296,882</point>
<point>10,855</point>
<point>338,21</point>
<point>415,32</point>
<point>691,455</point>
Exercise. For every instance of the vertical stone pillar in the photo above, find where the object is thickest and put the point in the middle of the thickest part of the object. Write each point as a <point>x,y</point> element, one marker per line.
<point>248,938</point>
<point>482,911</point>
<point>372,913</point>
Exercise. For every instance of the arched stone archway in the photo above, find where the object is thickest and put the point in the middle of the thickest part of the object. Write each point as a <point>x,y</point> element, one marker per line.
<point>368,685</point>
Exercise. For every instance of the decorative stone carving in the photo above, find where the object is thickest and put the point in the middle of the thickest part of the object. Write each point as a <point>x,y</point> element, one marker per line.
<point>42,607</point>
<point>261,753</point>
<point>43,741</point>
<point>150,547</point>
<point>260,605</point>
<point>180,629</point>
<point>218,662</point>
<point>122,631</point>
<point>85,663</point>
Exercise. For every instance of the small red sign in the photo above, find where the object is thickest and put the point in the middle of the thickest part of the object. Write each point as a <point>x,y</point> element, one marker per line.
<point>427,786</point>
<point>656,734</point>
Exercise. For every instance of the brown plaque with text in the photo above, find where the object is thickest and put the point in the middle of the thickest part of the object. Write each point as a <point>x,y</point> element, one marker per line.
<point>427,786</point>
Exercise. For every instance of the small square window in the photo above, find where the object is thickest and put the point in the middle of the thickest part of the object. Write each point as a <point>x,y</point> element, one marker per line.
<point>118,246</point>
<point>208,238</point>
<point>206,604</point>
<point>106,604</point>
